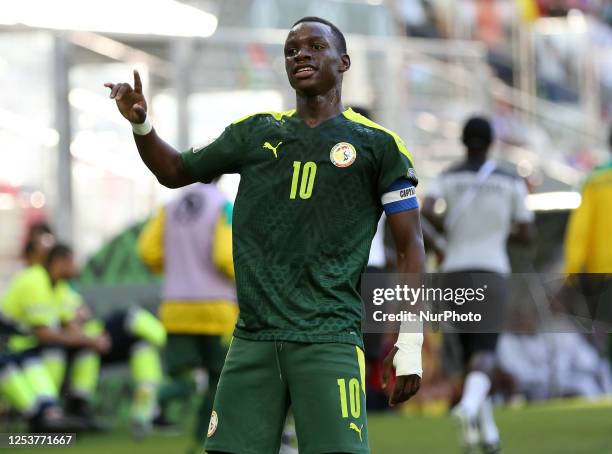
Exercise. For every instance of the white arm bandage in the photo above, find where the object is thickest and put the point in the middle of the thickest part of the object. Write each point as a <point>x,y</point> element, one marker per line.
<point>407,360</point>
<point>142,129</point>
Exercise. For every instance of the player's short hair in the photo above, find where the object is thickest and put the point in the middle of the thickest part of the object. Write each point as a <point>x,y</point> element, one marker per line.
<point>340,40</point>
<point>477,134</point>
<point>59,251</point>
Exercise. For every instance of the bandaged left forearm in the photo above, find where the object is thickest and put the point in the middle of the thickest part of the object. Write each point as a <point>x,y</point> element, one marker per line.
<point>407,360</point>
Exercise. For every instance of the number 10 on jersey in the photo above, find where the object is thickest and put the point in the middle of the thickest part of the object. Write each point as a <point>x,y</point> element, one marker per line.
<point>306,182</point>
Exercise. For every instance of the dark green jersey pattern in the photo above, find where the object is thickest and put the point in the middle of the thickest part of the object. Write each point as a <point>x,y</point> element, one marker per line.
<point>302,225</point>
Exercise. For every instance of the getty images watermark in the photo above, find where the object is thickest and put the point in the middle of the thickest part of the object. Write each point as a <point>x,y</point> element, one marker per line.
<point>424,299</point>
<point>487,302</point>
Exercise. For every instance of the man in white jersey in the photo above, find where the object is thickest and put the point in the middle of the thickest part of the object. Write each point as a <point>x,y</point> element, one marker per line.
<point>485,208</point>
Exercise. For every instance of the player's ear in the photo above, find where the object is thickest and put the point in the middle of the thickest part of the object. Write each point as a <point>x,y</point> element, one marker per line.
<point>345,63</point>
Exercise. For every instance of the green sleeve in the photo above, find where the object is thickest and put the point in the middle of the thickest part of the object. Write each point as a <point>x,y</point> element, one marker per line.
<point>223,155</point>
<point>395,163</point>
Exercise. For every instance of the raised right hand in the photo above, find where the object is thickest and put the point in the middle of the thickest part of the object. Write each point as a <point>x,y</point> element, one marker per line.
<point>130,102</point>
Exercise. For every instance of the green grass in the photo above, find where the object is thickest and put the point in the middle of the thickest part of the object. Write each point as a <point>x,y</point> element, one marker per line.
<point>548,429</point>
<point>552,428</point>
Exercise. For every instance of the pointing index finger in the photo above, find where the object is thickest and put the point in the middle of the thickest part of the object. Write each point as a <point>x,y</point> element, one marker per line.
<point>137,82</point>
<point>111,86</point>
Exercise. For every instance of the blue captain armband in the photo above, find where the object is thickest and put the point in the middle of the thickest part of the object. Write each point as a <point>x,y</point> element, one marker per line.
<point>401,196</point>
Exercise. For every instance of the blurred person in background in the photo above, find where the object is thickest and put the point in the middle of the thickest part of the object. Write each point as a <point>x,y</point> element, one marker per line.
<point>37,302</point>
<point>527,358</point>
<point>190,241</point>
<point>417,18</point>
<point>525,355</point>
<point>25,382</point>
<point>483,204</point>
<point>136,337</point>
<point>588,254</point>
<point>554,8</point>
<point>553,71</point>
<point>587,240</point>
<point>28,387</point>
<point>299,250</point>
<point>547,365</point>
<point>39,240</point>
<point>577,368</point>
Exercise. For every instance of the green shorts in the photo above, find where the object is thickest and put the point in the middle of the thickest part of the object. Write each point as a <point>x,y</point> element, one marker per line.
<point>323,384</point>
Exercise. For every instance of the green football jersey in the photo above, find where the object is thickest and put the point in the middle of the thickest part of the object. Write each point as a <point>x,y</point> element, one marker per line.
<point>306,211</point>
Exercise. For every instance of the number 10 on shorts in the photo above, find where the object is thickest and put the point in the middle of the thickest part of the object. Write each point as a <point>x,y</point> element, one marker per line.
<point>353,392</point>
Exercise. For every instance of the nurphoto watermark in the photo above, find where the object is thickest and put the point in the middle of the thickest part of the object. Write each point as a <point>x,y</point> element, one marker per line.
<point>474,302</point>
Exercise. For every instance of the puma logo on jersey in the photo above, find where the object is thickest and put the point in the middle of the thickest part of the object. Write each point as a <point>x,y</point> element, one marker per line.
<point>269,146</point>
<point>353,426</point>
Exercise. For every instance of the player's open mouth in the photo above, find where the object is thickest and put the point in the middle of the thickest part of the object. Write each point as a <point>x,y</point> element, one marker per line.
<point>303,72</point>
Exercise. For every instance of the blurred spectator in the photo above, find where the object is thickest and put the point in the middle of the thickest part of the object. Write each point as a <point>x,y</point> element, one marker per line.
<point>27,386</point>
<point>587,250</point>
<point>136,338</point>
<point>511,129</point>
<point>190,241</point>
<point>553,8</point>
<point>527,359</point>
<point>508,127</point>
<point>606,12</point>
<point>553,71</point>
<point>577,368</point>
<point>587,241</point>
<point>489,27</point>
<point>39,241</point>
<point>483,204</point>
<point>553,365</point>
<point>418,18</point>
<point>560,8</point>
<point>41,302</point>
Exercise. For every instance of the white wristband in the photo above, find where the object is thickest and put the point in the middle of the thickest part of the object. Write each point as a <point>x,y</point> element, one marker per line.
<point>142,129</point>
<point>407,360</point>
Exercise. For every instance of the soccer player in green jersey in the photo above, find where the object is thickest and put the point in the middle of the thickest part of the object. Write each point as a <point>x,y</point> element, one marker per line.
<point>314,182</point>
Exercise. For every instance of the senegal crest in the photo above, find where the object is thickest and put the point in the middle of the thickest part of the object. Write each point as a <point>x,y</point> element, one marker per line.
<point>212,425</point>
<point>343,154</point>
